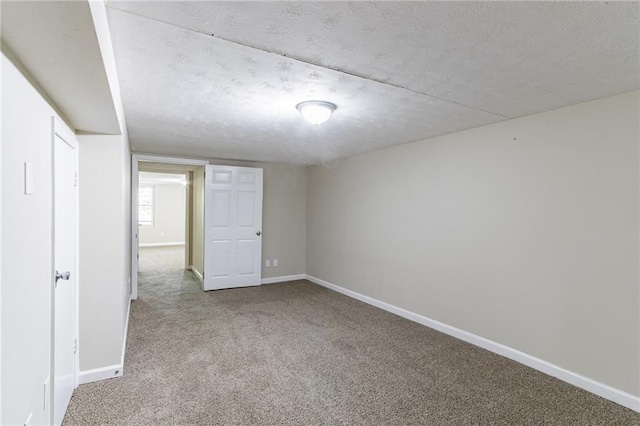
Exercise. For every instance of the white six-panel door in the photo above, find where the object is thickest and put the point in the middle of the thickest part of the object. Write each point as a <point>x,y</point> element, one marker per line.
<point>65,282</point>
<point>233,227</point>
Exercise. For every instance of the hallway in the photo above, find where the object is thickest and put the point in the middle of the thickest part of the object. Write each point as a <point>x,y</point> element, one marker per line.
<point>161,272</point>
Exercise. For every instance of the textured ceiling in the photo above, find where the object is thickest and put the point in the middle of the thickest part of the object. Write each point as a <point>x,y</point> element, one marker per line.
<point>221,79</point>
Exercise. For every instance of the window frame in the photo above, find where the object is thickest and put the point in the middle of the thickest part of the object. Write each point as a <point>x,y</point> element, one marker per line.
<point>152,204</point>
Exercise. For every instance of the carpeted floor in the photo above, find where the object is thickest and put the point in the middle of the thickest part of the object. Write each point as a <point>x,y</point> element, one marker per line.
<point>297,353</point>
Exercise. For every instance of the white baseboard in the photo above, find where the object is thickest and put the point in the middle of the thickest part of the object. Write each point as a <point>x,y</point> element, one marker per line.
<point>283,279</point>
<point>124,338</point>
<point>110,371</point>
<point>198,274</point>
<point>161,244</point>
<point>103,373</point>
<point>620,397</point>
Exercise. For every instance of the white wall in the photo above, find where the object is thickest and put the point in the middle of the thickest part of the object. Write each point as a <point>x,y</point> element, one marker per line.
<point>104,262</point>
<point>27,235</point>
<point>26,249</point>
<point>169,219</point>
<point>119,158</point>
<point>524,232</point>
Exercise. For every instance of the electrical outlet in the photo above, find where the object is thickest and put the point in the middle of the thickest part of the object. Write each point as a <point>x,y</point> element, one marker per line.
<point>275,263</point>
<point>267,263</point>
<point>162,234</point>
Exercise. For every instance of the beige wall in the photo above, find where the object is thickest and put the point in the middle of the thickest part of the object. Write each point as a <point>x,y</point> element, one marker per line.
<point>105,265</point>
<point>524,232</point>
<point>284,219</point>
<point>284,216</point>
<point>197,220</point>
<point>169,216</point>
<point>26,249</point>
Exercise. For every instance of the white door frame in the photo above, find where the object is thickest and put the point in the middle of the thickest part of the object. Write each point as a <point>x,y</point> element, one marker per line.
<point>231,183</point>
<point>60,129</point>
<point>135,159</point>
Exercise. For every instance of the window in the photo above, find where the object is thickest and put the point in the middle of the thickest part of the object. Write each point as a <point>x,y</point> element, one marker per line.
<point>145,206</point>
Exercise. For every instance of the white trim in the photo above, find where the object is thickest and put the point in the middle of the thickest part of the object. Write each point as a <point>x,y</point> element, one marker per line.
<point>60,129</point>
<point>283,279</point>
<point>124,338</point>
<point>151,158</point>
<point>135,158</point>
<point>198,274</point>
<point>162,244</point>
<point>1,210</point>
<point>77,270</point>
<point>102,373</point>
<point>64,132</point>
<point>161,183</point>
<point>616,395</point>
<point>135,228</point>
<point>233,279</point>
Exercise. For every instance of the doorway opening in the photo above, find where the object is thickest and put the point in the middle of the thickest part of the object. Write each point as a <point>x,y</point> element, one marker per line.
<point>167,218</point>
<point>162,227</point>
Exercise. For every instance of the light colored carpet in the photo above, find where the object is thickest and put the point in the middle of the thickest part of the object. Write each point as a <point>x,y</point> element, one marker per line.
<point>297,353</point>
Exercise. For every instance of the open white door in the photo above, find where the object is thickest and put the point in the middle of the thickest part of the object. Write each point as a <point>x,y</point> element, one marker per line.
<point>64,305</point>
<point>232,227</point>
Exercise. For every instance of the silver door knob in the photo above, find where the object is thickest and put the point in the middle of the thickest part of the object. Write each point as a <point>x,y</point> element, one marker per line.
<point>258,233</point>
<point>62,275</point>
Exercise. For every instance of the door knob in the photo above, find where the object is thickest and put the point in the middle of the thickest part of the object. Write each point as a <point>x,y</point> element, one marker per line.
<point>258,233</point>
<point>62,275</point>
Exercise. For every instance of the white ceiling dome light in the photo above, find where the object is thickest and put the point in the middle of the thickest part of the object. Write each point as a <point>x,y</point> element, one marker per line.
<point>316,112</point>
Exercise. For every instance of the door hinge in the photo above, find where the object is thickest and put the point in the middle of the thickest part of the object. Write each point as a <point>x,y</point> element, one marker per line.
<point>75,179</point>
<point>75,346</point>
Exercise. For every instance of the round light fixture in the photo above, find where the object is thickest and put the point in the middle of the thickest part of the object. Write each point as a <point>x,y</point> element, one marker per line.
<point>316,112</point>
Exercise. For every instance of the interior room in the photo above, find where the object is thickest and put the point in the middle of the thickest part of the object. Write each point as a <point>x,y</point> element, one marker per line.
<point>162,226</point>
<point>319,212</point>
